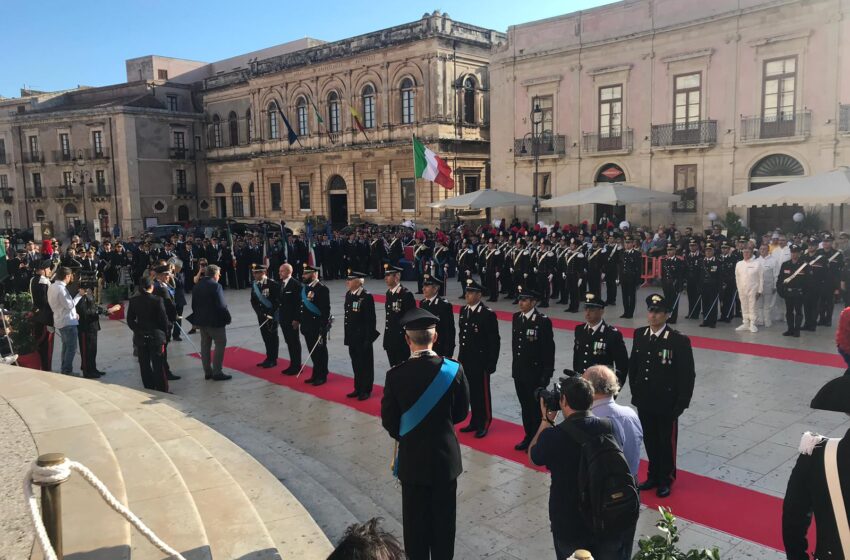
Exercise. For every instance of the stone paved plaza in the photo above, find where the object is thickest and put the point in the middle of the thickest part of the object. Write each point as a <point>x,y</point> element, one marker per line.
<point>743,427</point>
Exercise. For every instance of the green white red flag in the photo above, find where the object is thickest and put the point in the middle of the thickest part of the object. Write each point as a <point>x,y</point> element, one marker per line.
<point>430,166</point>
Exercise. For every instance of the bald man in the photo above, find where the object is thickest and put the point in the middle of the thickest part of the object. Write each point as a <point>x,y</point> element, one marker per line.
<point>289,301</point>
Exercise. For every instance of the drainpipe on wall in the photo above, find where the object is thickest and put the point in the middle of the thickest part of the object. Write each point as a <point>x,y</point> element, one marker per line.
<point>114,182</point>
<point>23,181</point>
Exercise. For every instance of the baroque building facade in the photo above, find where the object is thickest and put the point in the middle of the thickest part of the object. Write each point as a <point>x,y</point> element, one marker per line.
<point>428,78</point>
<point>705,99</point>
<point>92,158</point>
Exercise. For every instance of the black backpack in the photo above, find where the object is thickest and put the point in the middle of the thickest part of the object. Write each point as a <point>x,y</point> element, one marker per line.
<point>608,496</point>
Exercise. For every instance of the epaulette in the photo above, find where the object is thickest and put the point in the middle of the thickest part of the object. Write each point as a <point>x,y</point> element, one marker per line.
<point>809,441</point>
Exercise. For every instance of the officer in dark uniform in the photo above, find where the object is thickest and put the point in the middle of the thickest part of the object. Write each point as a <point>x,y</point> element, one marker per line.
<point>575,268</point>
<point>808,490</point>
<point>596,261</point>
<point>818,276</point>
<point>428,460</point>
<point>693,278</point>
<point>728,287</point>
<point>422,261</point>
<point>289,315</point>
<point>613,252</point>
<point>661,370</point>
<point>630,267</point>
<point>519,265</point>
<point>466,260</point>
<point>479,343</point>
<point>315,322</point>
<point>264,294</point>
<point>832,283</point>
<point>597,342</point>
<point>42,315</point>
<point>396,250</point>
<point>792,284</point>
<point>399,301</point>
<point>147,319</point>
<point>545,268</point>
<point>377,256</point>
<point>492,269</point>
<point>533,348</point>
<point>672,280</point>
<point>709,287</point>
<point>360,333</point>
<point>440,307</point>
<point>163,289</point>
<point>87,331</point>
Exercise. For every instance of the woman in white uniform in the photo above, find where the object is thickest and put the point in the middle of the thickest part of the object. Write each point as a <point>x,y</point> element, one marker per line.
<point>749,277</point>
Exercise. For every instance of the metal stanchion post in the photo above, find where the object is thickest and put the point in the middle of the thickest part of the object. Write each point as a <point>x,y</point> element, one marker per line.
<point>51,504</point>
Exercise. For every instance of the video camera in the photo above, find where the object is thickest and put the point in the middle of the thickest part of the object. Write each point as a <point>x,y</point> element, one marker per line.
<point>87,279</point>
<point>552,398</point>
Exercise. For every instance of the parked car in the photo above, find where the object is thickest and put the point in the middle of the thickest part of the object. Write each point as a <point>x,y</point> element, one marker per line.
<point>165,231</point>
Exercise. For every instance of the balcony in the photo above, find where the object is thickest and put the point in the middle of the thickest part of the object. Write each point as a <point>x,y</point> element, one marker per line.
<point>549,145</point>
<point>36,193</point>
<point>60,155</point>
<point>673,136</point>
<point>606,143</point>
<point>99,193</point>
<point>843,120</point>
<point>794,127</point>
<point>66,192</point>
<point>33,157</point>
<point>183,191</point>
<point>3,160</point>
<point>92,154</point>
<point>6,196</point>
<point>180,153</point>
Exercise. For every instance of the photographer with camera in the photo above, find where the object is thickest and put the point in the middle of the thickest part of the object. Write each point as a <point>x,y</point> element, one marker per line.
<point>593,502</point>
<point>89,313</point>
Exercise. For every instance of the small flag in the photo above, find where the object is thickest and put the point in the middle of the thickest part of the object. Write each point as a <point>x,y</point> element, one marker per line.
<point>358,122</point>
<point>318,114</point>
<point>4,270</point>
<point>290,134</point>
<point>430,166</point>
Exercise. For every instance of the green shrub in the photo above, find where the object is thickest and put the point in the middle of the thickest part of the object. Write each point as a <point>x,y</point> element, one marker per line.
<point>663,546</point>
<point>23,340</point>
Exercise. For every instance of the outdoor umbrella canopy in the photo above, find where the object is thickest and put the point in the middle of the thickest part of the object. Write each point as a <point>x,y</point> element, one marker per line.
<point>615,194</point>
<point>484,198</point>
<point>832,187</point>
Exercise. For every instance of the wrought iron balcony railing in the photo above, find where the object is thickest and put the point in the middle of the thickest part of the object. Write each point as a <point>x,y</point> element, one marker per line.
<point>783,125</point>
<point>61,155</point>
<point>36,193</point>
<point>66,192</point>
<point>180,153</point>
<point>184,190</point>
<point>99,192</point>
<point>547,144</point>
<point>593,143</point>
<point>92,153</point>
<point>697,133</point>
<point>33,157</point>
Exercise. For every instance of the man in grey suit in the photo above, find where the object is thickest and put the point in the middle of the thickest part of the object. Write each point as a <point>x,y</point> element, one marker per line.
<point>210,315</point>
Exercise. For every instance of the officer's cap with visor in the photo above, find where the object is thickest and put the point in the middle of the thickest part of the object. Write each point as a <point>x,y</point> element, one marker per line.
<point>656,302</point>
<point>418,319</point>
<point>525,293</point>
<point>354,275</point>
<point>473,286</point>
<point>835,395</point>
<point>592,301</point>
<point>431,281</point>
<point>389,269</point>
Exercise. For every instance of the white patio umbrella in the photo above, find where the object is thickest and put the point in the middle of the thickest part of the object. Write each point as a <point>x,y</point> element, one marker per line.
<point>484,198</point>
<point>832,187</point>
<point>615,194</point>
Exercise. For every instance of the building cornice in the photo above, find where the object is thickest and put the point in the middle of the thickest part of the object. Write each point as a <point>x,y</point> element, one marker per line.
<point>28,119</point>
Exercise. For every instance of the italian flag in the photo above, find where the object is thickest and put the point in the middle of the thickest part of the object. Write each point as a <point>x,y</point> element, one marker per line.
<point>430,166</point>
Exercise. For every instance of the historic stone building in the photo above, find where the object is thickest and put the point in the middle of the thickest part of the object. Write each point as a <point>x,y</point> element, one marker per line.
<point>707,99</point>
<point>122,154</point>
<point>428,78</point>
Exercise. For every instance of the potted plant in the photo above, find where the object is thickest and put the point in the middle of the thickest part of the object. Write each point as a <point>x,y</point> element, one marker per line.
<point>21,334</point>
<point>663,546</point>
<point>115,294</point>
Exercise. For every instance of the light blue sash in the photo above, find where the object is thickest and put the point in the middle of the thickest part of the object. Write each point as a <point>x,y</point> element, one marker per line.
<point>263,299</point>
<point>427,401</point>
<point>311,307</point>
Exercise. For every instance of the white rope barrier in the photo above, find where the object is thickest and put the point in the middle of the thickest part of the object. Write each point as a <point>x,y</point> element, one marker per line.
<point>55,474</point>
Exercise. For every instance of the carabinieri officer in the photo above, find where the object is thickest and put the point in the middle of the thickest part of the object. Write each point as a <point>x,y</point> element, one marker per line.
<point>661,369</point>
<point>399,301</point>
<point>424,397</point>
<point>315,322</point>
<point>360,333</point>
<point>597,342</point>
<point>264,293</point>
<point>440,307</point>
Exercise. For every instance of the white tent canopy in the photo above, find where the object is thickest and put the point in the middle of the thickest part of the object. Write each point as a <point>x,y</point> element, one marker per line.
<point>484,198</point>
<point>818,190</point>
<point>615,194</point>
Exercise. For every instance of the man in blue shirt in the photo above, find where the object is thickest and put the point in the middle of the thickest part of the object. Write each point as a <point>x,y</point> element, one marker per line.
<point>557,450</point>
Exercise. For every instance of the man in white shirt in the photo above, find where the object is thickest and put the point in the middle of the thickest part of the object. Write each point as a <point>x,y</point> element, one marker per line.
<point>749,279</point>
<point>65,317</point>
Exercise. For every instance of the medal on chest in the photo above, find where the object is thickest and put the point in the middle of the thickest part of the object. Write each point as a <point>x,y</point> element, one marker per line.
<point>355,305</point>
<point>531,335</point>
<point>666,357</point>
<point>310,295</point>
<point>598,347</point>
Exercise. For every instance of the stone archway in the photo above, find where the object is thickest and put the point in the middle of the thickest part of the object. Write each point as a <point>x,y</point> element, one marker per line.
<point>772,170</point>
<point>338,202</point>
<point>609,173</point>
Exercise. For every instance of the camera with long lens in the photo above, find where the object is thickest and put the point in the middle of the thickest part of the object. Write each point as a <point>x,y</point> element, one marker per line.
<point>87,279</point>
<point>552,398</point>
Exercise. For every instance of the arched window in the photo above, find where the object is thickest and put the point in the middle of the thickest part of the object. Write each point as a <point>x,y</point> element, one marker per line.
<point>301,114</point>
<point>219,189</point>
<point>39,215</point>
<point>333,112</point>
<point>216,132</point>
<point>249,126</point>
<point>469,100</point>
<point>103,218</point>
<point>182,213</point>
<point>252,204</point>
<point>273,130</point>
<point>71,209</point>
<point>368,96</point>
<point>220,201</point>
<point>233,128</point>
<point>7,219</point>
<point>408,100</point>
<point>236,197</point>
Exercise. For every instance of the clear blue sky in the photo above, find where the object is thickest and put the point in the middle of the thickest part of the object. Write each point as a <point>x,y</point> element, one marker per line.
<point>50,45</point>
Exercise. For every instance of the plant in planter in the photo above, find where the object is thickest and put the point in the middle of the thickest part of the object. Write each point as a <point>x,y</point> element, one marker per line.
<point>115,294</point>
<point>663,546</point>
<point>20,323</point>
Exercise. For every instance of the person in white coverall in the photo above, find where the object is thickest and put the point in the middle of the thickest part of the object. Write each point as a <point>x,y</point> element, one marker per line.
<point>749,277</point>
<point>766,304</point>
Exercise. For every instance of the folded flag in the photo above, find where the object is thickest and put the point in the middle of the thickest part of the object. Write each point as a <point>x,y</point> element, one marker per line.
<point>430,166</point>
<point>358,122</point>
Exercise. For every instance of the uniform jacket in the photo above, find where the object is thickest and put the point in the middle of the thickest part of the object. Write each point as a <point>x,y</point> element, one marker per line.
<point>808,494</point>
<point>673,272</point>
<point>208,306</point>
<point>630,265</point>
<point>146,316</point>
<point>446,335</point>
<point>603,347</point>
<point>88,312</point>
<point>428,454</point>
<point>320,296</point>
<point>41,311</point>
<point>662,372</point>
<point>533,347</point>
<point>271,291</point>
<point>479,339</point>
<point>360,319</point>
<point>801,281</point>
<point>289,301</point>
<point>396,305</point>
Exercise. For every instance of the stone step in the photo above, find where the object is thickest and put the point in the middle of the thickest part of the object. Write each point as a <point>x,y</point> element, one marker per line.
<point>58,424</point>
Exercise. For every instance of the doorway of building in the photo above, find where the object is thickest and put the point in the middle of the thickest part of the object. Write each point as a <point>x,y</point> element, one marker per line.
<point>339,210</point>
<point>609,173</point>
<point>772,170</point>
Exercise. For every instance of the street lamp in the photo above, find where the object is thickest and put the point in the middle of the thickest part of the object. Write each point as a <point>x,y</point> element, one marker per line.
<point>80,177</point>
<point>537,136</point>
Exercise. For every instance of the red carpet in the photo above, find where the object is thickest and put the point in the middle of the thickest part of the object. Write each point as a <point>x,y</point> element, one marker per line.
<point>745,513</point>
<point>706,343</point>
